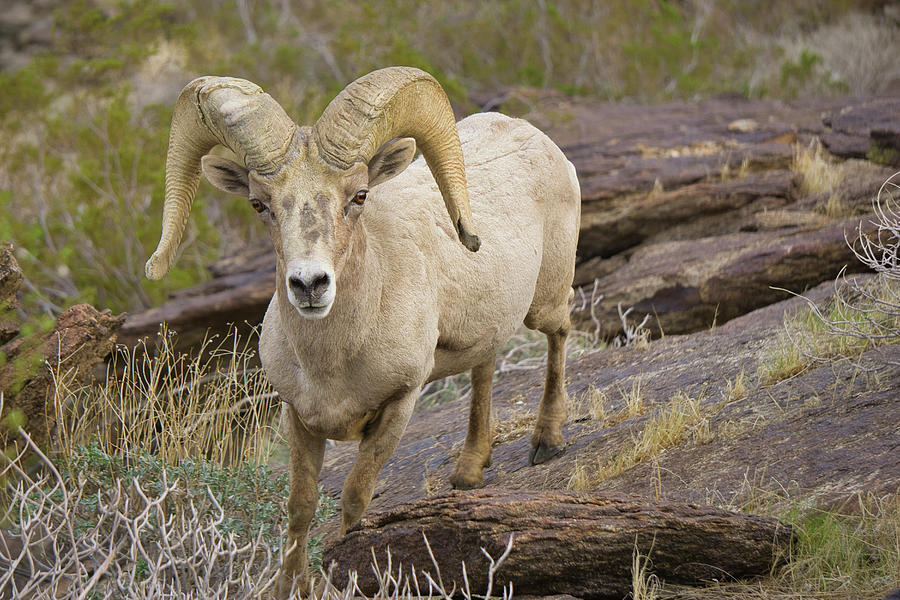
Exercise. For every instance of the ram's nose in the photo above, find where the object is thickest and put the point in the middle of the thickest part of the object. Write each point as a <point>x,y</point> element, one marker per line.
<point>309,285</point>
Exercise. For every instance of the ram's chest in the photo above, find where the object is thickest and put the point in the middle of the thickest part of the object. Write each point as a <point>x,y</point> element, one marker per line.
<point>342,421</point>
<point>339,405</point>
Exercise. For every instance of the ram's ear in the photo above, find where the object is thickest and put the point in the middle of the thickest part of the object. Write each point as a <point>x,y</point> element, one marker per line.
<point>226,175</point>
<point>391,159</point>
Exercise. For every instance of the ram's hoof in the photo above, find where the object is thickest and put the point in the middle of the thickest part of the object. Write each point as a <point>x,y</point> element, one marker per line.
<point>467,486</point>
<point>541,454</point>
<point>460,482</point>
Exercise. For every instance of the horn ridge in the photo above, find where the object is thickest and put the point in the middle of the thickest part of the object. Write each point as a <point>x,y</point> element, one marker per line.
<point>400,102</point>
<point>209,111</point>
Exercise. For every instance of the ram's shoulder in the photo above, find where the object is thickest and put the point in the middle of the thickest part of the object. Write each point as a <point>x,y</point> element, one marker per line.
<point>489,136</point>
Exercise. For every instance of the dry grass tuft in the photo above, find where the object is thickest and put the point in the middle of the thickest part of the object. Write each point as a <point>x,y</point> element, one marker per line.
<point>518,423</point>
<point>681,420</point>
<point>818,173</point>
<point>737,389</point>
<point>644,585</point>
<point>633,400</point>
<point>580,480</point>
<point>597,402</point>
<point>821,174</point>
<point>593,404</point>
<point>213,403</point>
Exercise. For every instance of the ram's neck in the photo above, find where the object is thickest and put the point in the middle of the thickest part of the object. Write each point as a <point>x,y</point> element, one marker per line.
<point>326,344</point>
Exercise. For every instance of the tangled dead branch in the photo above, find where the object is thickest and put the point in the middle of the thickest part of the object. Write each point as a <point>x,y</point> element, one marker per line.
<point>868,309</point>
<point>146,540</point>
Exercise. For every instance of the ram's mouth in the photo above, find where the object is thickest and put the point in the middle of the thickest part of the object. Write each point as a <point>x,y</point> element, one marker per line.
<point>314,312</point>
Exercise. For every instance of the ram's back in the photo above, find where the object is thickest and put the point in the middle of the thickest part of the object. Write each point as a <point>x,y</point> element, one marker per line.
<point>525,205</point>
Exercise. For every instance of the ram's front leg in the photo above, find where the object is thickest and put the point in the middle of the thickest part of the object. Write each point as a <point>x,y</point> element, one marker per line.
<point>307,452</point>
<point>378,443</point>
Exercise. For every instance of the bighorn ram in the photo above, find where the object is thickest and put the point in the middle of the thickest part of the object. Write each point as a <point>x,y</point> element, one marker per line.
<point>375,297</point>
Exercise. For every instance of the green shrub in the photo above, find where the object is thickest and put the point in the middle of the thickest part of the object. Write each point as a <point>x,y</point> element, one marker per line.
<point>252,495</point>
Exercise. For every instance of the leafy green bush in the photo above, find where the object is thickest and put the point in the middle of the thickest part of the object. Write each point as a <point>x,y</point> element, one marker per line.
<point>252,495</point>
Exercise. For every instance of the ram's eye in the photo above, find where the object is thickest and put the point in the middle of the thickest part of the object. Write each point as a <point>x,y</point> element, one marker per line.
<point>360,196</point>
<point>257,205</point>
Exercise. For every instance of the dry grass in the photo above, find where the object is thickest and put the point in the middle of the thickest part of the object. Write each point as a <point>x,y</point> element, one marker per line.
<point>644,585</point>
<point>595,404</point>
<point>211,403</point>
<point>737,388</point>
<point>781,360</point>
<point>818,172</point>
<point>580,480</point>
<point>861,316</point>
<point>681,420</point>
<point>633,400</point>
<point>517,423</point>
<point>726,172</point>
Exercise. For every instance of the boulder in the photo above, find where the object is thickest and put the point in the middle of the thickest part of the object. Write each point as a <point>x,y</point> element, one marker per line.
<point>10,281</point>
<point>690,285</point>
<point>563,542</point>
<point>869,128</point>
<point>693,211</point>
<point>82,338</point>
<point>694,180</point>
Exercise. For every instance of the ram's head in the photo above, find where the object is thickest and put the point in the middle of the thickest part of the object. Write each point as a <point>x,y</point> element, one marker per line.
<point>309,184</point>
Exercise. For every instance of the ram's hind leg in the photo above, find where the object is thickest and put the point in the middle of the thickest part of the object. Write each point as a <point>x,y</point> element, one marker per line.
<point>547,439</point>
<point>476,452</point>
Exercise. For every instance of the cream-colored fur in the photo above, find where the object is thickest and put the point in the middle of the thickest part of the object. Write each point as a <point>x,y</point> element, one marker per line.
<point>381,290</point>
<point>413,305</point>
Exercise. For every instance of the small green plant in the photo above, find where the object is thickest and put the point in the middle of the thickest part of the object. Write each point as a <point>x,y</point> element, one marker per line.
<point>856,551</point>
<point>251,494</point>
<point>795,74</point>
<point>883,155</point>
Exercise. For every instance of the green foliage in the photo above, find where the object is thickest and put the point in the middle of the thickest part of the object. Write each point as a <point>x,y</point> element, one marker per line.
<point>857,550</point>
<point>251,495</point>
<point>14,419</point>
<point>884,155</point>
<point>670,53</point>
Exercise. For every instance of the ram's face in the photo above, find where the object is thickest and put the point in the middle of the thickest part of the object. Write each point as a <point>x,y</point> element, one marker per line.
<point>311,210</point>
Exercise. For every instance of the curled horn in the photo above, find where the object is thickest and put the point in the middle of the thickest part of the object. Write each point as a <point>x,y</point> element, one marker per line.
<point>400,102</point>
<point>209,111</point>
